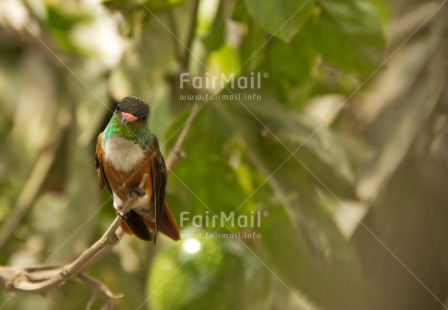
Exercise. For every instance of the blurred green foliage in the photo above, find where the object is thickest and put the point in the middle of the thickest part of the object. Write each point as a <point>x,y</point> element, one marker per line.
<point>207,277</point>
<point>289,152</point>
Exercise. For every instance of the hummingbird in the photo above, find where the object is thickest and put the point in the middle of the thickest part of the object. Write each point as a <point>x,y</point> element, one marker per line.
<point>129,162</point>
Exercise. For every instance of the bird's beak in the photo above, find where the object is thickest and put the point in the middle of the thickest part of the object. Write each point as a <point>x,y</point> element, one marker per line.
<point>126,118</point>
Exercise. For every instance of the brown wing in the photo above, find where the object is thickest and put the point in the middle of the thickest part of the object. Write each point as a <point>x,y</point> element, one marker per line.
<point>102,180</point>
<point>159,180</point>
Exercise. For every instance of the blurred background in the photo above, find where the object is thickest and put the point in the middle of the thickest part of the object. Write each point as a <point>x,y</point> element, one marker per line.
<point>342,148</point>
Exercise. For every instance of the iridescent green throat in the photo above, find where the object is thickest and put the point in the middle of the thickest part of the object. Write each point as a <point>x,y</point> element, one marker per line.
<point>135,131</point>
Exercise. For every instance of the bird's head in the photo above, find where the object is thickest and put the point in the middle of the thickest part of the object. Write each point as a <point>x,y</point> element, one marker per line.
<point>132,110</point>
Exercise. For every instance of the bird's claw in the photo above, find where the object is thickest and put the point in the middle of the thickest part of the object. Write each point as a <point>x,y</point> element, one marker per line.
<point>137,192</point>
<point>124,211</point>
<point>124,216</point>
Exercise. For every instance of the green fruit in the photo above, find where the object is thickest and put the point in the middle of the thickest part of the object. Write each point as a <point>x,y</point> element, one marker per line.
<point>208,273</point>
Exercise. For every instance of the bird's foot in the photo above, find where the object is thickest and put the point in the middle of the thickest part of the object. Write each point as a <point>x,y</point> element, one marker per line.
<point>138,191</point>
<point>123,216</point>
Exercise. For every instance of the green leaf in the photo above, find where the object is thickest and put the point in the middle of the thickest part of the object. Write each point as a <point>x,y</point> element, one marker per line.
<point>348,34</point>
<point>215,38</point>
<point>289,65</point>
<point>64,19</point>
<point>201,180</point>
<point>129,5</point>
<point>61,22</point>
<point>223,61</point>
<point>252,47</point>
<point>280,18</point>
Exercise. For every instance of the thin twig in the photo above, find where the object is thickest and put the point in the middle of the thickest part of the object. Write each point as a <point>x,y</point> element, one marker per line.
<point>174,30</point>
<point>22,283</point>
<point>191,32</point>
<point>109,238</point>
<point>28,277</point>
<point>99,288</point>
<point>176,153</point>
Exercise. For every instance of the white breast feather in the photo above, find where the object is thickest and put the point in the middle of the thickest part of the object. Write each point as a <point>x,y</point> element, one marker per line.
<point>123,154</point>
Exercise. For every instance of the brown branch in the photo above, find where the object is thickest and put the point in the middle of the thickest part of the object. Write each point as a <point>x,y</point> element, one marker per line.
<point>23,281</point>
<point>107,240</point>
<point>100,288</point>
<point>42,280</point>
<point>18,279</point>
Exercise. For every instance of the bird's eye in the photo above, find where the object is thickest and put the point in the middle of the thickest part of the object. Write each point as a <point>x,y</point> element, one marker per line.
<point>118,108</point>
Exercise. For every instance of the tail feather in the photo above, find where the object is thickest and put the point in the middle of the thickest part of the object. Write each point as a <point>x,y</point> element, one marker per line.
<point>135,224</point>
<point>168,225</point>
